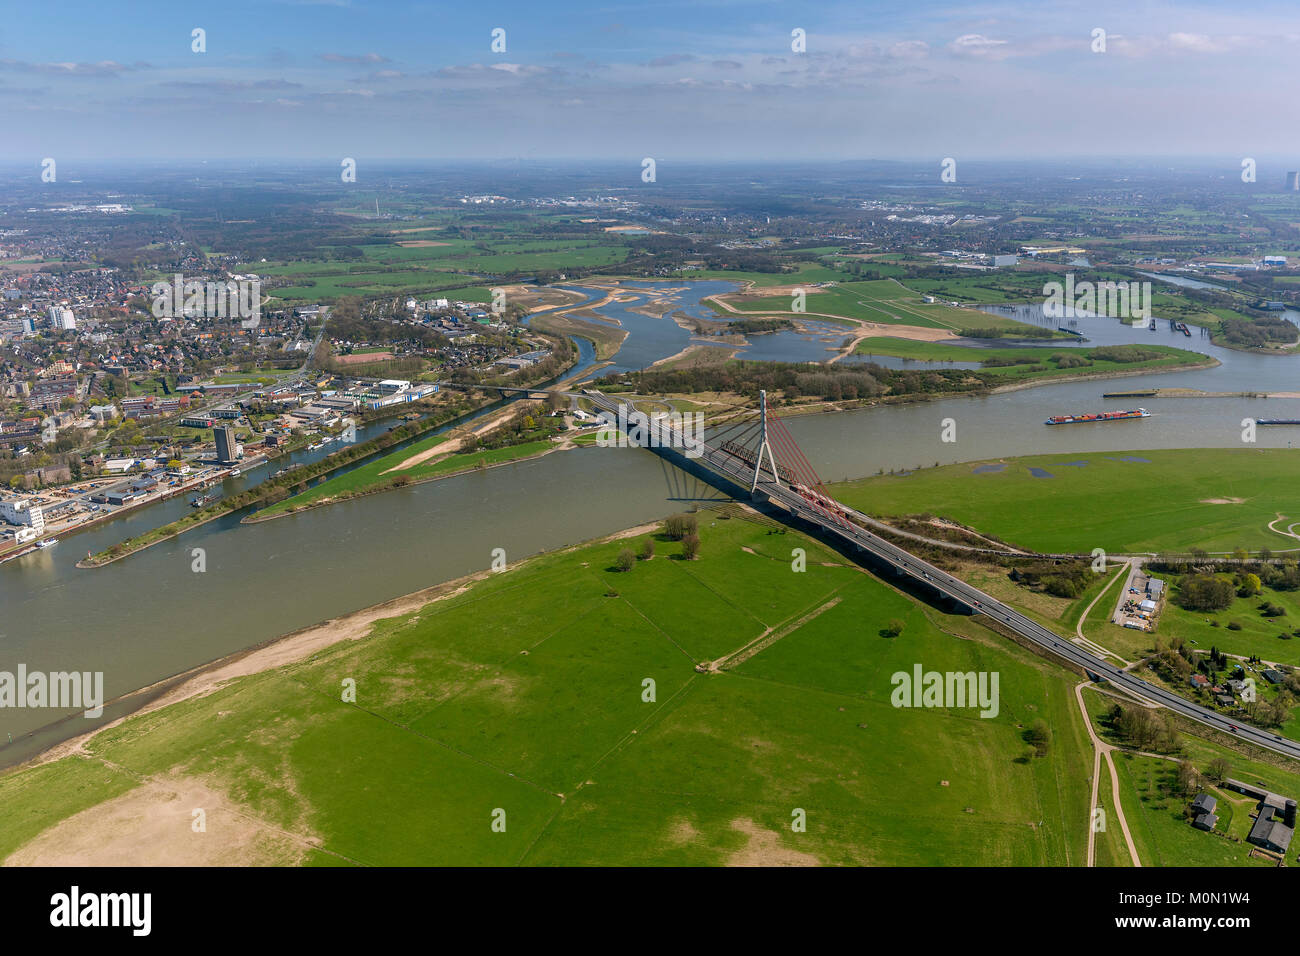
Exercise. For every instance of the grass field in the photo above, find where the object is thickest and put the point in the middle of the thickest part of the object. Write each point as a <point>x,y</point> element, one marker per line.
<point>1109,503</point>
<point>1258,634</point>
<point>880,300</point>
<point>805,272</point>
<point>1163,835</point>
<point>525,695</point>
<point>1042,367</point>
<point>605,339</point>
<point>1155,812</point>
<point>1027,287</point>
<point>325,287</point>
<point>370,476</point>
<point>448,264</point>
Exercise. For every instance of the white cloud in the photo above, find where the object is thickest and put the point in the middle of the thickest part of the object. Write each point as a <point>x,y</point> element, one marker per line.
<point>976,44</point>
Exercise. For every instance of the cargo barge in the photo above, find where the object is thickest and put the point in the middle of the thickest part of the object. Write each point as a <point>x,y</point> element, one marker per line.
<point>1098,417</point>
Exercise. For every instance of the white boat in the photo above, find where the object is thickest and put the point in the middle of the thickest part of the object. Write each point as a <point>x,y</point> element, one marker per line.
<point>235,472</point>
<point>47,544</point>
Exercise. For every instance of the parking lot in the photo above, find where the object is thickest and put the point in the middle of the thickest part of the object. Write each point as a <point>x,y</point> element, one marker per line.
<point>1139,601</point>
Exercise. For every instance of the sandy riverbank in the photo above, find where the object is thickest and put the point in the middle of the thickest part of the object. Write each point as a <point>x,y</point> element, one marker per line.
<point>453,445</point>
<point>259,517</point>
<point>296,646</point>
<point>1102,376</point>
<point>694,349</point>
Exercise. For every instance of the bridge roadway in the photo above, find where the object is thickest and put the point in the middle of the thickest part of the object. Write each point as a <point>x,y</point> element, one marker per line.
<point>923,573</point>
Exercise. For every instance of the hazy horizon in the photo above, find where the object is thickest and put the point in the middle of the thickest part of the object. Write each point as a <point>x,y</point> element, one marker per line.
<point>712,80</point>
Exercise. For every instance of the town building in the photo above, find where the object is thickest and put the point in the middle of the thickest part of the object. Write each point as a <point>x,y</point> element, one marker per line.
<point>22,511</point>
<point>1203,815</point>
<point>1274,824</point>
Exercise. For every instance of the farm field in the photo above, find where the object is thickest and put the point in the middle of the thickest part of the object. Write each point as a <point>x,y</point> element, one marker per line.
<point>522,698</point>
<point>806,272</point>
<point>1197,506</point>
<point>327,286</point>
<point>429,261</point>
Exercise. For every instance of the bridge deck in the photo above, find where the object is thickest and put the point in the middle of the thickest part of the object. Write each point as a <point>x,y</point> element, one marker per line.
<point>834,518</point>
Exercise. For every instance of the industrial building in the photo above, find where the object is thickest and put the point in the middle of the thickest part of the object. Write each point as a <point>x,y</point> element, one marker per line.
<point>227,449</point>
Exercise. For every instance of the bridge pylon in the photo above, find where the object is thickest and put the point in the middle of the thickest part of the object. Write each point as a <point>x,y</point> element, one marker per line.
<point>764,448</point>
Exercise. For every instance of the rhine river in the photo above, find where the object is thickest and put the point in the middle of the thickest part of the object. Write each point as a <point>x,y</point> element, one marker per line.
<point>149,616</point>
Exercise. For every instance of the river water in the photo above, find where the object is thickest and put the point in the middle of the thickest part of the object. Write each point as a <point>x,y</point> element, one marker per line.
<point>150,616</point>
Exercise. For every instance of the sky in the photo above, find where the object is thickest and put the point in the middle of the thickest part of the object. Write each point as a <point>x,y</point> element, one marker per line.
<point>671,80</point>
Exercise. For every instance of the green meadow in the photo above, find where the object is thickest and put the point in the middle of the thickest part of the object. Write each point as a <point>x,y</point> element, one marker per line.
<point>1163,835</point>
<point>526,698</point>
<point>1041,366</point>
<point>1271,638</point>
<point>883,301</point>
<point>325,287</point>
<point>804,272</point>
<point>1154,810</point>
<point>1171,500</point>
<point>447,266</point>
<point>371,476</point>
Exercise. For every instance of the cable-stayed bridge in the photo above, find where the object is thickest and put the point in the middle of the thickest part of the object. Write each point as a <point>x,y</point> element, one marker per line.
<point>757,453</point>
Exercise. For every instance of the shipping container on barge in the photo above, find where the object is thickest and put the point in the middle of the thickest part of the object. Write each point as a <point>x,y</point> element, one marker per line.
<point>1098,417</point>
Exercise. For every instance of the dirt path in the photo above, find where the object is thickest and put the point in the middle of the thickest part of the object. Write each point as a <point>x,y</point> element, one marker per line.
<point>1131,566</point>
<point>1290,531</point>
<point>453,445</point>
<point>1091,645</point>
<point>768,638</point>
<point>1100,748</point>
<point>1103,749</point>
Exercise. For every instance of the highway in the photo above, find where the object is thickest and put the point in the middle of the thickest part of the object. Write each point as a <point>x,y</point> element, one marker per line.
<point>833,517</point>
